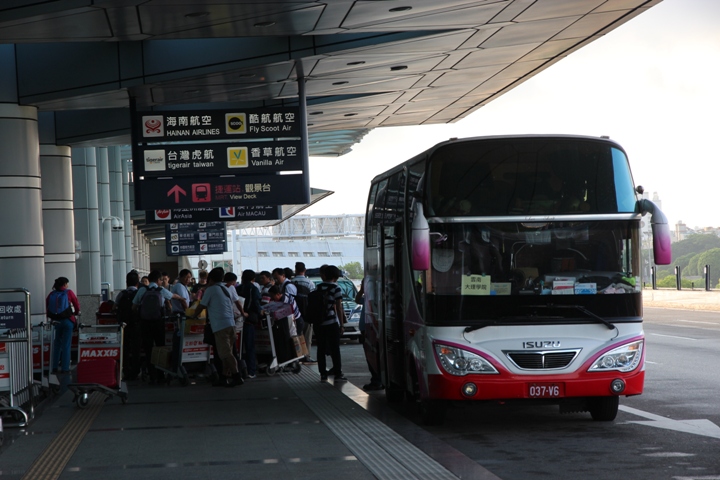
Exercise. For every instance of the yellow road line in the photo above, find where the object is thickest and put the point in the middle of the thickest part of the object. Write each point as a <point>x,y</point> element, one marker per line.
<point>51,462</point>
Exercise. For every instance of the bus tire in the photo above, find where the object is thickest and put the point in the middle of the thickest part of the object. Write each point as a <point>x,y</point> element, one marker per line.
<point>603,409</point>
<point>432,412</point>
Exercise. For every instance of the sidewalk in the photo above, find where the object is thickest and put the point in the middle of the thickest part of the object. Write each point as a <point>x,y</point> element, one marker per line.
<point>287,426</point>
<point>697,299</point>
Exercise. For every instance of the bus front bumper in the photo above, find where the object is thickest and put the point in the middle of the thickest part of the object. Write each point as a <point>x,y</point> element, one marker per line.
<point>509,387</point>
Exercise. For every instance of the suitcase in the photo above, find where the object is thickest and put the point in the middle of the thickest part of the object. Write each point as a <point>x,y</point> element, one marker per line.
<point>102,371</point>
<point>281,338</point>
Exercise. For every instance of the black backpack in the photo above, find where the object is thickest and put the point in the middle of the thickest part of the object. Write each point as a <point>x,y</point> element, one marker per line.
<point>152,304</point>
<point>302,297</point>
<point>124,307</point>
<point>317,307</point>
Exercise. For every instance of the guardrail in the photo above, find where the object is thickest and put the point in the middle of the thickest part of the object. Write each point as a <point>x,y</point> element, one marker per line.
<point>17,390</point>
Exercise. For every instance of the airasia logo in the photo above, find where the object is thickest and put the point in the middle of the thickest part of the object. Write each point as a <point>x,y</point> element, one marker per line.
<point>100,353</point>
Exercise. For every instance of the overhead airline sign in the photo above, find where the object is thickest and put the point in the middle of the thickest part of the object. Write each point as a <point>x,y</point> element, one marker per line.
<point>180,161</point>
<point>219,125</point>
<point>220,158</point>
<point>196,238</point>
<point>248,213</point>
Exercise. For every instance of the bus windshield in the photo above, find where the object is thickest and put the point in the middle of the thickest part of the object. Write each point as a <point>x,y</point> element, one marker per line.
<point>510,264</point>
<point>529,176</point>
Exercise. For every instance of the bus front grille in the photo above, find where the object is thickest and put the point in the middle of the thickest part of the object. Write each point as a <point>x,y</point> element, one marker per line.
<point>542,360</point>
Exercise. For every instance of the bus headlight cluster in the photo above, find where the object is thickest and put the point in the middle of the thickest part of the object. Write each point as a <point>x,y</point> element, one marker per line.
<point>457,361</point>
<point>622,359</point>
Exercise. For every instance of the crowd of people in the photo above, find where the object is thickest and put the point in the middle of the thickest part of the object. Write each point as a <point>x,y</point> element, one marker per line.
<point>146,302</point>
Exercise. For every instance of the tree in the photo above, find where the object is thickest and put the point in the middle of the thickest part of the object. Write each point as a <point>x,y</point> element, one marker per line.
<point>354,270</point>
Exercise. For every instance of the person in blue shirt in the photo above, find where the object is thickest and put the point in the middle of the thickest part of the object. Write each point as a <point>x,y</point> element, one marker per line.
<point>218,303</point>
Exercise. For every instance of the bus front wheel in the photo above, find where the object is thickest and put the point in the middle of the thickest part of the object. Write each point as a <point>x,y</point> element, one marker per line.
<point>604,409</point>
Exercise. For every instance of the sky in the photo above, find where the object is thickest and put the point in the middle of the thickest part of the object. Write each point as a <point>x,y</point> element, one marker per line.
<point>652,85</point>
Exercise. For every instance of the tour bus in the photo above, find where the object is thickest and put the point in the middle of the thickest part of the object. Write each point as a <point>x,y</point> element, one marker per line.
<point>508,268</point>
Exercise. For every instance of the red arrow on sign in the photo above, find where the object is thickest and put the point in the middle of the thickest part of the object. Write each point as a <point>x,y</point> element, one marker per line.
<point>177,191</point>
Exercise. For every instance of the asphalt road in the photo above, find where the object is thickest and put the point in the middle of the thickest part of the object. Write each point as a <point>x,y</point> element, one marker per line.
<point>672,431</point>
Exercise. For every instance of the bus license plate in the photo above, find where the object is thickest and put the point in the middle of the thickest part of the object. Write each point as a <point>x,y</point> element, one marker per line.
<point>545,390</point>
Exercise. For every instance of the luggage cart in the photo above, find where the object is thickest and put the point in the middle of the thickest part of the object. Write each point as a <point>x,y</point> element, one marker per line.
<point>186,338</point>
<point>272,345</point>
<point>99,368</point>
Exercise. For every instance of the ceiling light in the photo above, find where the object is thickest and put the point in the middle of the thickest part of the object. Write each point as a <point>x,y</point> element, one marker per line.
<point>264,24</point>
<point>398,67</point>
<point>315,113</point>
<point>197,14</point>
<point>359,62</point>
<point>350,114</point>
<point>340,83</point>
<point>400,9</point>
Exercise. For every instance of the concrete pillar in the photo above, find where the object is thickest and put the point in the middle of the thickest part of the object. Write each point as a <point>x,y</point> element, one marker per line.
<point>58,216</point>
<point>117,210</point>
<point>21,236</point>
<point>128,231</point>
<point>87,228</point>
<point>103,188</point>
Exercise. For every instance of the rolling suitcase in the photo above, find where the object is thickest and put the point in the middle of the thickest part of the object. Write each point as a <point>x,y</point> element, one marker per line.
<point>102,371</point>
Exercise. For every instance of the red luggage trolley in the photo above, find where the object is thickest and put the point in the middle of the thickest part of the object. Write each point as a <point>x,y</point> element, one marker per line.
<point>99,368</point>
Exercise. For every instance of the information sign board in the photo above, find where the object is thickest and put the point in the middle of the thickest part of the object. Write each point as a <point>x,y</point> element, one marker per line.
<point>199,125</point>
<point>220,158</point>
<point>12,315</point>
<point>247,213</point>
<point>195,238</point>
<point>208,192</point>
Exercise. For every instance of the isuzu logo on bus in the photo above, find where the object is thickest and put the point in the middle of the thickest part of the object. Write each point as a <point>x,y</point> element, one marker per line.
<point>542,344</point>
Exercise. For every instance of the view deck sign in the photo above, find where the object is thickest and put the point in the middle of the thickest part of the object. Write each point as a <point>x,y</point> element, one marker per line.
<point>218,124</point>
<point>220,158</point>
<point>208,192</point>
<point>195,238</point>
<point>247,213</point>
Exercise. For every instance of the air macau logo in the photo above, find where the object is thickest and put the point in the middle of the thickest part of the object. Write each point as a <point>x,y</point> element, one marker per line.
<point>237,157</point>
<point>235,123</point>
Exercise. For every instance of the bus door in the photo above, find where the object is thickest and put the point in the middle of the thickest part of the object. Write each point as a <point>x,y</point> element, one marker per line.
<point>393,343</point>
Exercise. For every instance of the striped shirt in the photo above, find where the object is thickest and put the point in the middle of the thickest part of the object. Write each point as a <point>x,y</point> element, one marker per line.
<point>333,293</point>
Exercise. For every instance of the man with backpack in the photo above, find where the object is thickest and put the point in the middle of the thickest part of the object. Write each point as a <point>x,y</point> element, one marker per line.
<point>150,303</point>
<point>304,286</point>
<point>330,322</point>
<point>131,337</point>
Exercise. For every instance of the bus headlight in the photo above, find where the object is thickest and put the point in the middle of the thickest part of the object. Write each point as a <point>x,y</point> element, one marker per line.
<point>622,359</point>
<point>457,361</point>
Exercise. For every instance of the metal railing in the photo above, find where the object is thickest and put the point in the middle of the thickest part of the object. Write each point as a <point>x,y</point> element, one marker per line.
<point>17,390</point>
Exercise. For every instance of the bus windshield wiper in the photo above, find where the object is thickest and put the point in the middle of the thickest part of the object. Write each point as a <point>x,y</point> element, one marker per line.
<point>579,308</point>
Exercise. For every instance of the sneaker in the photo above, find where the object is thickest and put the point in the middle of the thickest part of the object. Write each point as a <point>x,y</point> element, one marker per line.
<point>251,376</point>
<point>323,378</point>
<point>309,361</point>
<point>340,378</point>
<point>372,386</point>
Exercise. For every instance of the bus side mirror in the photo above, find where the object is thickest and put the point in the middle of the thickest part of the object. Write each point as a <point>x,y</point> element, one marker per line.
<point>661,243</point>
<point>420,239</point>
<point>661,232</point>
